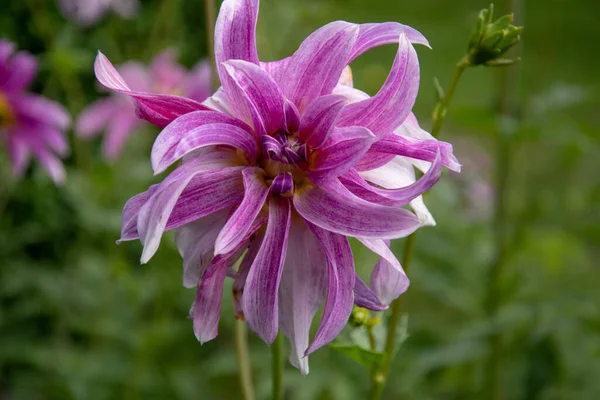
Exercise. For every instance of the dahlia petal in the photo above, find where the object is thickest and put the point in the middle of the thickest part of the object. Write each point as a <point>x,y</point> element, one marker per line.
<point>179,201</point>
<point>276,68</point>
<point>283,184</point>
<point>168,141</point>
<point>262,285</point>
<point>425,150</point>
<point>20,72</point>
<point>339,155</point>
<point>235,33</point>
<point>340,287</point>
<point>410,128</point>
<point>33,108</point>
<point>292,117</point>
<point>302,290</point>
<point>158,109</point>
<point>196,243</point>
<point>55,140</point>
<point>316,66</point>
<point>388,282</point>
<point>365,297</point>
<point>219,102</point>
<point>382,249</point>
<point>18,152</point>
<point>404,195</point>
<point>207,304</point>
<point>385,111</point>
<point>52,164</point>
<point>333,207</point>
<point>94,118</point>
<point>318,119</point>
<point>378,34</point>
<point>204,136</point>
<point>130,214</point>
<point>255,194</point>
<point>254,95</point>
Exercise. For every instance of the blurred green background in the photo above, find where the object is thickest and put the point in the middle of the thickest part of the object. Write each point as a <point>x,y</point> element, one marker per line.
<point>81,319</point>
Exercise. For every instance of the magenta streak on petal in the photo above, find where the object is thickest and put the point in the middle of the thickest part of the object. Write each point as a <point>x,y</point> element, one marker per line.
<point>373,160</point>
<point>240,276</point>
<point>337,156</point>
<point>364,296</point>
<point>255,194</point>
<point>167,141</point>
<point>416,148</point>
<point>283,184</point>
<point>340,286</point>
<point>388,282</point>
<point>333,207</point>
<point>302,290</point>
<point>385,111</point>
<point>158,109</point>
<point>259,93</point>
<point>319,118</point>
<point>404,195</point>
<point>374,35</point>
<point>211,135</point>
<point>271,147</point>
<point>262,285</point>
<point>292,118</point>
<point>316,66</point>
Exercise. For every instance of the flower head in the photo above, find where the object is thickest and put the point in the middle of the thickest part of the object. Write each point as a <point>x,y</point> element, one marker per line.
<point>277,170</point>
<point>88,12</point>
<point>29,124</point>
<point>116,115</point>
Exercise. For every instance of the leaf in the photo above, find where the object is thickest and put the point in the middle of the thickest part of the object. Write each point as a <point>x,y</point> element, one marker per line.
<point>359,354</point>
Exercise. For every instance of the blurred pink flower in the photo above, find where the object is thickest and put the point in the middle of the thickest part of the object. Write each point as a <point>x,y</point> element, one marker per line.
<point>279,167</point>
<point>116,114</point>
<point>88,12</point>
<point>29,124</point>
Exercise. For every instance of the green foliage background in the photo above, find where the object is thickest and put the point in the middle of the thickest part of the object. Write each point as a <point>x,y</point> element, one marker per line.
<point>81,319</point>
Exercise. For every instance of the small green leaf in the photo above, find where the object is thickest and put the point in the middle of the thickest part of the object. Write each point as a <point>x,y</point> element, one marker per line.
<point>361,355</point>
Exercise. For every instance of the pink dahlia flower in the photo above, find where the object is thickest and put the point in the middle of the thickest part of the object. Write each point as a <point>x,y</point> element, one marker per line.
<point>29,124</point>
<point>277,171</point>
<point>88,12</point>
<point>116,114</point>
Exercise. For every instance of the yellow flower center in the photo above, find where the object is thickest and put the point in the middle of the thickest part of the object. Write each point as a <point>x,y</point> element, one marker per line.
<point>7,117</point>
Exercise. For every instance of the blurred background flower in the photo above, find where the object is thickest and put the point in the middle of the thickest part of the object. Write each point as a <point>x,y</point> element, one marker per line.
<point>81,319</point>
<point>88,12</point>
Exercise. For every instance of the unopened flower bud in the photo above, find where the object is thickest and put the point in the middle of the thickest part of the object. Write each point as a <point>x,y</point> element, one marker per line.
<point>491,39</point>
<point>359,317</point>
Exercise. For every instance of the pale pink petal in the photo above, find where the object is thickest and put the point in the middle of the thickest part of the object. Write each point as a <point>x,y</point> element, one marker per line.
<point>120,128</point>
<point>388,281</point>
<point>302,290</point>
<point>96,117</point>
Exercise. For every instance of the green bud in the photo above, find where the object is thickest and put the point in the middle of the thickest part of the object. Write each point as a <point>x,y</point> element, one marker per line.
<point>491,39</point>
<point>359,317</point>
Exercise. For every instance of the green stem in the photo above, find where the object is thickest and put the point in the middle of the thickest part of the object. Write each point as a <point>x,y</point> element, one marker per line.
<point>277,367</point>
<point>379,376</point>
<point>441,108</point>
<point>241,349</point>
<point>210,15</point>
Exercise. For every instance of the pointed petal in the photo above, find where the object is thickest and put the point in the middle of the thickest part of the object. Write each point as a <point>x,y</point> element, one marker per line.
<point>416,148</point>
<point>158,109</point>
<point>364,296</point>
<point>333,207</point>
<point>318,119</point>
<point>262,285</point>
<point>254,95</point>
<point>388,282</point>
<point>374,35</point>
<point>302,290</point>
<point>334,159</point>
<point>382,249</point>
<point>340,287</point>
<point>292,117</point>
<point>316,66</point>
<point>239,223</point>
<point>385,111</point>
<point>235,33</point>
<point>207,305</point>
<point>239,280</point>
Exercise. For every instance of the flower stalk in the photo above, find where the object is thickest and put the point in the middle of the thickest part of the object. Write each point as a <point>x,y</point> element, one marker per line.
<point>241,349</point>
<point>277,367</point>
